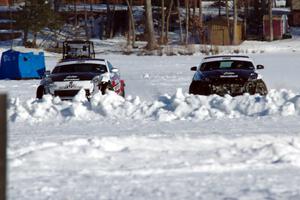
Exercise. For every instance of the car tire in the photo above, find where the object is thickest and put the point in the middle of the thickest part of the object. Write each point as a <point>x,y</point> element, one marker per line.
<point>40,92</point>
<point>122,94</point>
<point>103,87</point>
<point>199,88</point>
<point>261,88</point>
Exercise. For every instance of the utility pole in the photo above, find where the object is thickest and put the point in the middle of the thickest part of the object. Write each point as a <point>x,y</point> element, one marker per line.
<point>3,146</point>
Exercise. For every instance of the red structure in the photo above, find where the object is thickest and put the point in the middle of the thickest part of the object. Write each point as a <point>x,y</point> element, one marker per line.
<point>280,26</point>
<point>4,2</point>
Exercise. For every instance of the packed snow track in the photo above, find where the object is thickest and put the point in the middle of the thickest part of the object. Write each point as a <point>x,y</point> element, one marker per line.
<point>158,142</point>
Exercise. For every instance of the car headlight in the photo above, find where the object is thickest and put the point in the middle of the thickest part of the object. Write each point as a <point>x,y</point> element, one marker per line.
<point>253,76</point>
<point>95,80</point>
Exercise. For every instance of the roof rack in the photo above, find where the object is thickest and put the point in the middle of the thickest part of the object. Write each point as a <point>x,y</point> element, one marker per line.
<point>82,59</point>
<point>226,56</point>
<point>78,49</point>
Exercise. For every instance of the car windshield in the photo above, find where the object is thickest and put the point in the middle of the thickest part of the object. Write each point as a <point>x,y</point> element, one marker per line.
<point>227,64</point>
<point>92,68</point>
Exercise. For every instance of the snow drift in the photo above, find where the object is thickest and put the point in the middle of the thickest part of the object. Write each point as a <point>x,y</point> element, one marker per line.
<point>180,106</point>
<point>183,154</point>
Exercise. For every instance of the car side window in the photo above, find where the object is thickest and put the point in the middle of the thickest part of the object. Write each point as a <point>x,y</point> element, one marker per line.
<point>56,70</point>
<point>110,67</point>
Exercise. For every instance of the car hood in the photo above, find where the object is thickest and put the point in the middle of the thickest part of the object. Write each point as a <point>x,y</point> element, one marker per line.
<point>73,76</point>
<point>229,74</point>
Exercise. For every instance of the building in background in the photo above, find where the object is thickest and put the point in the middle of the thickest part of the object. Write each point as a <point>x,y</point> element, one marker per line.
<point>295,8</point>
<point>4,2</point>
<point>7,25</point>
<point>280,26</point>
<point>218,32</point>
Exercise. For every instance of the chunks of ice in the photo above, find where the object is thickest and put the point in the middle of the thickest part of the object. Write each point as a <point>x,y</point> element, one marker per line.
<point>179,106</point>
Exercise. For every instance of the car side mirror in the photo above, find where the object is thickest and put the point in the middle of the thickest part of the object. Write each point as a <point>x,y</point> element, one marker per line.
<point>115,70</point>
<point>47,73</point>
<point>194,68</point>
<point>260,67</point>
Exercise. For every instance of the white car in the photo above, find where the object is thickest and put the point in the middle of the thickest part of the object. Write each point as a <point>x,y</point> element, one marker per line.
<point>71,75</point>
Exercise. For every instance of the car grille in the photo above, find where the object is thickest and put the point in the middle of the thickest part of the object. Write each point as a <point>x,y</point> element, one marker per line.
<point>69,93</point>
<point>220,81</point>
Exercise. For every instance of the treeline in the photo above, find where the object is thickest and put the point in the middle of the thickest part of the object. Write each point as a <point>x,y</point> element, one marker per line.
<point>37,15</point>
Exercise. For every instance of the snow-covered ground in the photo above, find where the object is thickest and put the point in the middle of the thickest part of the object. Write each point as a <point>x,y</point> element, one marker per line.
<point>159,142</point>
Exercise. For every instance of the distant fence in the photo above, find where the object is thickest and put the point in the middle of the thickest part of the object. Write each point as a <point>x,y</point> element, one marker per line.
<point>3,146</point>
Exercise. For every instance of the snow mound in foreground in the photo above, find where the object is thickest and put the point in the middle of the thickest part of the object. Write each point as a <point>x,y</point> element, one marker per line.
<point>180,106</point>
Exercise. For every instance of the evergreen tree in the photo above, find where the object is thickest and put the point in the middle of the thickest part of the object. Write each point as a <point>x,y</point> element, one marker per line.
<point>34,16</point>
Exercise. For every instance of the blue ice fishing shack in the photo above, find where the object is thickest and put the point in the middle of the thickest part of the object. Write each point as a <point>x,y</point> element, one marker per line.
<point>18,65</point>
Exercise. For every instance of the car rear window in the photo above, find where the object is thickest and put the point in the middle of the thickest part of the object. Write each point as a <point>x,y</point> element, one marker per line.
<point>227,64</point>
<point>93,68</point>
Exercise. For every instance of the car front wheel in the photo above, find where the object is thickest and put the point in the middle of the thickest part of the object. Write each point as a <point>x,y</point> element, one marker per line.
<point>261,88</point>
<point>199,87</point>
<point>40,92</point>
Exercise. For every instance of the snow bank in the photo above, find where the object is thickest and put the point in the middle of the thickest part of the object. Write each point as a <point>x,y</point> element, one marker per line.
<point>180,106</point>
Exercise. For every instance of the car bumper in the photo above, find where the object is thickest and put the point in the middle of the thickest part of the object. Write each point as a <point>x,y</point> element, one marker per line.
<point>69,94</point>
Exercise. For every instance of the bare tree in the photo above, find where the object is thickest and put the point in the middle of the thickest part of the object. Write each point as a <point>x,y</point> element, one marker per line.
<point>179,18</point>
<point>187,20</point>
<point>131,24</point>
<point>86,21</point>
<point>200,25</point>
<point>168,19</point>
<point>235,22</point>
<point>110,14</point>
<point>219,6</point>
<point>227,19</point>
<point>56,5</point>
<point>271,36</point>
<point>75,11</point>
<point>246,15</point>
<point>200,13</point>
<point>162,34</point>
<point>194,8</point>
<point>152,44</point>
